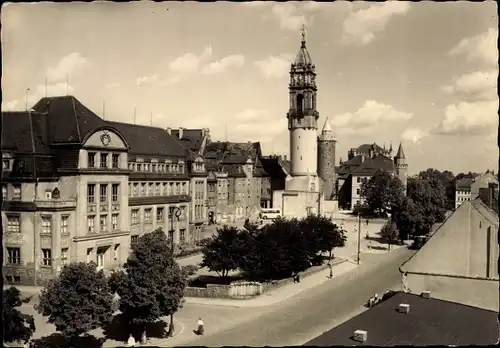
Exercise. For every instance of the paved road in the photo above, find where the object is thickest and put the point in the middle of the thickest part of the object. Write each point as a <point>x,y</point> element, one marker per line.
<point>307,315</point>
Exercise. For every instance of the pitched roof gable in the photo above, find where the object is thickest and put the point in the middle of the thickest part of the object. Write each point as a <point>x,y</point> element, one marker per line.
<point>457,247</point>
<point>371,165</point>
<point>191,138</point>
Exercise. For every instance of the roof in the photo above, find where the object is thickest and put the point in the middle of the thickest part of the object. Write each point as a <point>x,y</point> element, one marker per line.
<point>228,153</point>
<point>274,167</point>
<point>401,153</point>
<point>69,120</point>
<point>365,148</point>
<point>429,322</point>
<point>146,140</point>
<point>452,249</point>
<point>21,130</point>
<point>464,183</point>
<point>191,138</point>
<point>303,57</point>
<point>327,127</point>
<point>371,165</point>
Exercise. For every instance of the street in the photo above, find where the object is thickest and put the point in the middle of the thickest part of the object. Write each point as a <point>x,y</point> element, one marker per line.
<point>301,318</point>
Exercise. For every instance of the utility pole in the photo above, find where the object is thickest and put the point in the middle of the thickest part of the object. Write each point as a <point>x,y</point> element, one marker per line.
<point>359,237</point>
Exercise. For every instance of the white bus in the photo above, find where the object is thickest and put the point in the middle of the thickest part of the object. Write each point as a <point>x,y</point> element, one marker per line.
<point>269,213</point>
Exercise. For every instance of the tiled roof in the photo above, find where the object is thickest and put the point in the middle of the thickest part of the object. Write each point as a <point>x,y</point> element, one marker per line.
<point>69,120</point>
<point>429,322</point>
<point>365,148</point>
<point>228,153</point>
<point>191,138</point>
<point>273,167</point>
<point>234,170</point>
<point>464,183</point>
<point>146,140</point>
<point>371,165</point>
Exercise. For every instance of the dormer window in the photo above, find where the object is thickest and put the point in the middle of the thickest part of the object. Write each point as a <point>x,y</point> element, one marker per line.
<point>91,159</point>
<point>115,160</point>
<point>16,192</point>
<point>104,160</point>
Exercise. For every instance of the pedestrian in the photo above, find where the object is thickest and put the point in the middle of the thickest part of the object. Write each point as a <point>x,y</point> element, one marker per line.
<point>201,329</point>
<point>331,270</point>
<point>131,341</point>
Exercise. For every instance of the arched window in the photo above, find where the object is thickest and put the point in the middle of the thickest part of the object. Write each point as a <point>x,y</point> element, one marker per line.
<point>300,103</point>
<point>314,102</point>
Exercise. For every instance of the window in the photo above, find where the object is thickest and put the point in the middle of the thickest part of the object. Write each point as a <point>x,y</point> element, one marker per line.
<point>64,256</point>
<point>46,257</point>
<point>165,189</point>
<point>147,215</point>
<point>146,167</point>
<point>153,167</point>
<point>104,160</point>
<point>157,189</point>
<point>91,160</point>
<point>182,235</point>
<point>159,214</point>
<point>104,193</point>
<point>150,189</point>
<point>135,216</point>
<point>91,193</point>
<point>115,160</point>
<point>143,189</point>
<point>91,223</point>
<point>64,224</point>
<point>114,192</point>
<point>5,164</point>
<point>114,222</point>
<point>139,167</point>
<point>116,252</point>
<point>48,194</point>
<point>135,190</point>
<point>4,192</point>
<point>103,222</point>
<point>357,191</point>
<point>100,258</point>
<point>177,188</point>
<point>16,191</point>
<point>89,254</point>
<point>358,179</point>
<point>171,188</point>
<point>46,224</point>
<point>14,256</point>
<point>133,239</point>
<point>14,224</point>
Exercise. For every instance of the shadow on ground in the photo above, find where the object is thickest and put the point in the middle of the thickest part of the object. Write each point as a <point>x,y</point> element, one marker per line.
<point>57,340</point>
<point>119,330</point>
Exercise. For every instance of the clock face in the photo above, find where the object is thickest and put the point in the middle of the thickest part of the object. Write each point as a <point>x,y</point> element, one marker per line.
<point>105,139</point>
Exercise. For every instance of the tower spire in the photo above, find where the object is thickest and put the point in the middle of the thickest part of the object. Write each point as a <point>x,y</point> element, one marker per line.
<point>303,30</point>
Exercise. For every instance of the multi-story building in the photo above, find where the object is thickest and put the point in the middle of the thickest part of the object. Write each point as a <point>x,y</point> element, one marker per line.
<point>361,165</point>
<point>467,189</point>
<point>78,188</point>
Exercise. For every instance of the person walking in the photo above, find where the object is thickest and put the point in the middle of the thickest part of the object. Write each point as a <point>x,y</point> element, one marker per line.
<point>201,329</point>
<point>331,270</point>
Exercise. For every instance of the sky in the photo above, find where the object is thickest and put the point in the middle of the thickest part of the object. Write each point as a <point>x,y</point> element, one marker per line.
<point>424,74</point>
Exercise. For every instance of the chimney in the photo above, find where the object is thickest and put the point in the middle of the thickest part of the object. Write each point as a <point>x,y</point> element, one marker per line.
<point>426,294</point>
<point>404,308</point>
<point>203,132</point>
<point>181,132</point>
<point>360,336</point>
<point>169,130</point>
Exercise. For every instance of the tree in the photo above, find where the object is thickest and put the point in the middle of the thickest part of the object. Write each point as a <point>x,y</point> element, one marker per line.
<point>17,326</point>
<point>323,233</point>
<point>447,180</point>
<point>382,192</point>
<point>409,218</point>
<point>390,232</point>
<point>78,300</point>
<point>222,252</point>
<point>152,283</point>
<point>430,197</point>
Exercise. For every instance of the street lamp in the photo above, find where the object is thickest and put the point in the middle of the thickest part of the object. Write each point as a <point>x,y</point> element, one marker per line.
<point>359,237</point>
<point>174,212</point>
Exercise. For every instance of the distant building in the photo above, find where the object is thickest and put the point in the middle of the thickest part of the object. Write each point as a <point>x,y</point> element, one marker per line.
<point>459,262</point>
<point>428,322</point>
<point>467,189</point>
<point>363,162</point>
<point>489,196</point>
<point>79,188</point>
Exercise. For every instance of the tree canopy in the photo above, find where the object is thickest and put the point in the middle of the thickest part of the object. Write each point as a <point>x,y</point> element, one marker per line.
<point>222,252</point>
<point>16,325</point>
<point>323,233</point>
<point>152,283</point>
<point>78,300</point>
<point>382,193</point>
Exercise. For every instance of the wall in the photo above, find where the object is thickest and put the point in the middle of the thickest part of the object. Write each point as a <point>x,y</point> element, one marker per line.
<point>473,292</point>
<point>303,151</point>
<point>296,204</point>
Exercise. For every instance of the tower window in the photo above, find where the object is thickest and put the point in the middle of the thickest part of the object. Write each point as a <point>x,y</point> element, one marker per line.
<point>300,102</point>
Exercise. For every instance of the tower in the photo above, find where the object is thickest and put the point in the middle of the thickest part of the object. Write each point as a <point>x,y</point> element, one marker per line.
<point>302,115</point>
<point>400,166</point>
<point>326,160</point>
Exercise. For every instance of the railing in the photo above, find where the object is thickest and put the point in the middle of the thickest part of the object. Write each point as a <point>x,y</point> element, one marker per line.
<point>55,203</point>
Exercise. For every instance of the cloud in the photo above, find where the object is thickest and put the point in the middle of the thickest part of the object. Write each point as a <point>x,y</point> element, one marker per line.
<point>361,26</point>
<point>467,118</point>
<point>479,85</point>
<point>112,85</point>
<point>10,105</point>
<point>257,124</point>
<point>67,66</point>
<point>288,16</point>
<point>414,134</point>
<point>189,62</point>
<point>231,61</point>
<point>275,66</point>
<point>370,113</point>
<point>482,48</point>
<point>144,80</point>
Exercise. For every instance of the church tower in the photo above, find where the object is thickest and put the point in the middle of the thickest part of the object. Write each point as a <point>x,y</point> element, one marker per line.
<point>401,167</point>
<point>326,160</point>
<point>302,115</point>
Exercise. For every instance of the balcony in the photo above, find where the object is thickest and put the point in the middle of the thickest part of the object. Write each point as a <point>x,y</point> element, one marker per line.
<point>55,204</point>
<point>147,200</point>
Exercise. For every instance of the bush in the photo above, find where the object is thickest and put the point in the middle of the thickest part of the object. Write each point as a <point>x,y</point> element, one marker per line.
<point>190,270</point>
<point>17,326</point>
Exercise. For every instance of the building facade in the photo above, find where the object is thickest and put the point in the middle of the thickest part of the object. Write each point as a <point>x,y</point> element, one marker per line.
<point>467,189</point>
<point>78,188</point>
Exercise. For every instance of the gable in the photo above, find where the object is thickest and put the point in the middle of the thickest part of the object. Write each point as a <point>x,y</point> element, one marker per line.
<point>464,245</point>
<point>107,139</point>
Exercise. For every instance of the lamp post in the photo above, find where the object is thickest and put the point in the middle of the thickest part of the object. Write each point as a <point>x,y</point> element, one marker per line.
<point>174,212</point>
<point>359,238</point>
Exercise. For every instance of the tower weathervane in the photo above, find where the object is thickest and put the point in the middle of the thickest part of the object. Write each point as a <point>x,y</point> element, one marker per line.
<point>303,29</point>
